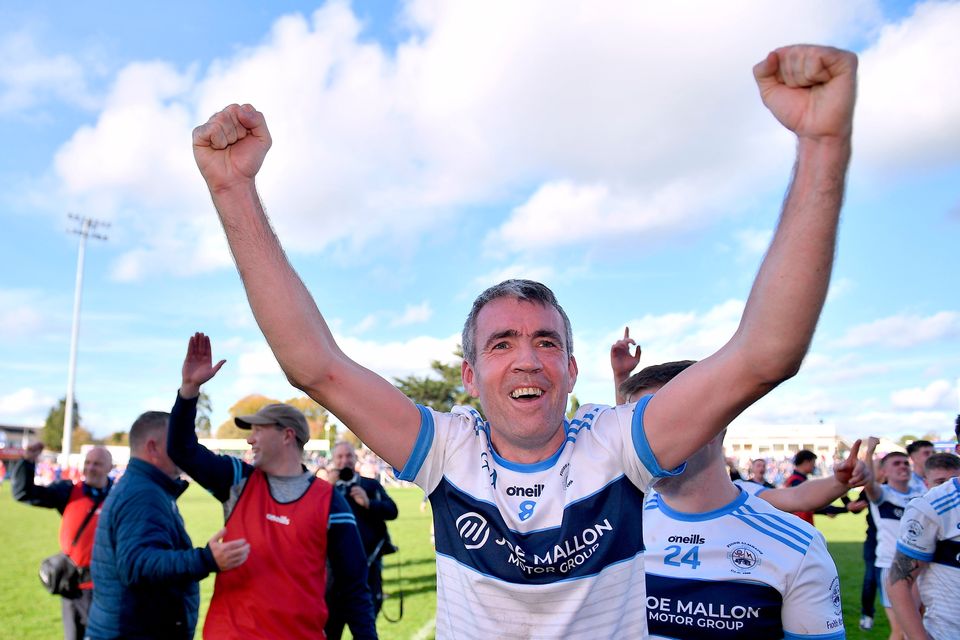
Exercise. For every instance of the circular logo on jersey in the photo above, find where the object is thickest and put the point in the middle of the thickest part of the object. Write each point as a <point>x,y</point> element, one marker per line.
<point>744,557</point>
<point>913,529</point>
<point>835,596</point>
<point>473,529</point>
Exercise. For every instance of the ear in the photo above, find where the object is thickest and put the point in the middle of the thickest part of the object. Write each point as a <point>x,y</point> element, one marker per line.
<point>469,382</point>
<point>573,371</point>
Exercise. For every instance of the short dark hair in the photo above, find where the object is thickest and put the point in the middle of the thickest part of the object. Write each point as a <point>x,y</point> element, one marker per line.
<point>943,460</point>
<point>892,454</point>
<point>525,290</point>
<point>804,455</point>
<point>146,425</point>
<point>916,445</point>
<point>655,375</point>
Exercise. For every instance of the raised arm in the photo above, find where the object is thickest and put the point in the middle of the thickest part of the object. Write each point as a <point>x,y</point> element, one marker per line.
<point>873,488</point>
<point>623,362</point>
<point>811,91</point>
<point>229,150</point>
<point>900,586</point>
<point>815,494</point>
<point>216,473</point>
<point>54,496</point>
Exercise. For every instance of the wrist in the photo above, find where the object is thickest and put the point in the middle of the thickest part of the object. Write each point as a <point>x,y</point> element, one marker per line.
<point>189,391</point>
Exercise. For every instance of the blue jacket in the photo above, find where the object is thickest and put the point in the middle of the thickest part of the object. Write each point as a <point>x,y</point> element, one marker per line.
<point>144,565</point>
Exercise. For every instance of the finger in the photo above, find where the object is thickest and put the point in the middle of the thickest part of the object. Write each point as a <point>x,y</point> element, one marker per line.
<point>218,536</point>
<point>765,71</point>
<point>854,452</point>
<point>253,121</point>
<point>218,365</point>
<point>626,333</point>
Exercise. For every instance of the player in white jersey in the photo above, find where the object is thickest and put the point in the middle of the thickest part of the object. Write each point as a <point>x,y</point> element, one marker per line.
<point>928,552</point>
<point>518,360</point>
<point>812,495</point>
<point>887,504</point>
<point>919,451</point>
<point>722,563</point>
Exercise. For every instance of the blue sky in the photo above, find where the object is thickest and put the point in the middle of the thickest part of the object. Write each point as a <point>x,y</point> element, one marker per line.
<point>425,150</point>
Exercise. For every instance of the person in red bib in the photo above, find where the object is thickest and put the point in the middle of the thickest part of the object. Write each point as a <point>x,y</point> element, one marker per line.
<point>74,501</point>
<point>294,522</point>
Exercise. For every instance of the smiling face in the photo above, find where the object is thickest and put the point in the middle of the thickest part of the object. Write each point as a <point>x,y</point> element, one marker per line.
<point>96,466</point>
<point>897,468</point>
<point>267,442</point>
<point>522,374</point>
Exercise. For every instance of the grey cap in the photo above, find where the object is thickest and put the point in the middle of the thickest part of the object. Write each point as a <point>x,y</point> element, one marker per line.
<point>282,415</point>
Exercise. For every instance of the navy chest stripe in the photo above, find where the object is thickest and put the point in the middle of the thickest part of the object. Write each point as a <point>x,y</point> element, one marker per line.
<point>597,532</point>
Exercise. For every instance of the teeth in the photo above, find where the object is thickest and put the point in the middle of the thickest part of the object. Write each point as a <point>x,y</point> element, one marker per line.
<point>526,391</point>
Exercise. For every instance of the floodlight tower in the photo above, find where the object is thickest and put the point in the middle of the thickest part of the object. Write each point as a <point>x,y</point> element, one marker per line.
<point>87,229</point>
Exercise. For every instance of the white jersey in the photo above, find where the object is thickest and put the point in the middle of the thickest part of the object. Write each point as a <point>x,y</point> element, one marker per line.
<point>546,550</point>
<point>750,487</point>
<point>746,570</point>
<point>886,515</point>
<point>930,532</point>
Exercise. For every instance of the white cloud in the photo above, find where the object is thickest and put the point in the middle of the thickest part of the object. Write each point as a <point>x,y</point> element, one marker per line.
<point>753,242</point>
<point>584,112</point>
<point>413,314</point>
<point>25,406</point>
<point>20,314</point>
<point>894,424</point>
<point>903,330</point>
<point>908,111</point>
<point>939,394</point>
<point>29,77</point>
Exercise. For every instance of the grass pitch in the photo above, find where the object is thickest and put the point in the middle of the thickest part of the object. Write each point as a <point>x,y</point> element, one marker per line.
<point>28,534</point>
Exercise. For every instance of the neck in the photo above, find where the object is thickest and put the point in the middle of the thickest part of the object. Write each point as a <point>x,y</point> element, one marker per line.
<point>287,466</point>
<point>899,485</point>
<point>700,488</point>
<point>527,452</point>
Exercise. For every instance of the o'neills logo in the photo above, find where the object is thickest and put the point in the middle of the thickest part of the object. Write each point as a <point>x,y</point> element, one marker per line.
<point>278,519</point>
<point>526,492</point>
<point>694,539</point>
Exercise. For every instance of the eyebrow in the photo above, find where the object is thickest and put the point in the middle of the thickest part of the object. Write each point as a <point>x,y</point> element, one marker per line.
<point>513,333</point>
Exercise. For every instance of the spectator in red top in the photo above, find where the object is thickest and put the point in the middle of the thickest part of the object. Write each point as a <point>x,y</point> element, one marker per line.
<point>74,500</point>
<point>803,464</point>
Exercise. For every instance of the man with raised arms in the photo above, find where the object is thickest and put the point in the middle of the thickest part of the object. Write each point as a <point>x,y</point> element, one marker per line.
<point>524,501</point>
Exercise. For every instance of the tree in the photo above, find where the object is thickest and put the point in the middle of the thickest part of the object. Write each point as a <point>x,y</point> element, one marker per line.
<point>574,406</point>
<point>440,390</point>
<point>243,407</point>
<point>117,438</point>
<point>52,435</point>
<point>204,409</point>
<point>315,414</point>
<point>906,439</point>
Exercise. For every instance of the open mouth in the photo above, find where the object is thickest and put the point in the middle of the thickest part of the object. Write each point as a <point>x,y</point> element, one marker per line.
<point>526,394</point>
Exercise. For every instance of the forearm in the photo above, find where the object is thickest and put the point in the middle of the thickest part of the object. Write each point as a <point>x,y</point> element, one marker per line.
<point>152,565</point>
<point>905,609</point>
<point>811,495</point>
<point>285,311</point>
<point>214,472</point>
<point>301,340</point>
<point>24,490</point>
<point>788,293</point>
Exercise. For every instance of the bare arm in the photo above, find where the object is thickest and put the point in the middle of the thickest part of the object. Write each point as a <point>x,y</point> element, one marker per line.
<point>815,494</point>
<point>901,578</point>
<point>623,363</point>
<point>229,150</point>
<point>872,487</point>
<point>811,91</point>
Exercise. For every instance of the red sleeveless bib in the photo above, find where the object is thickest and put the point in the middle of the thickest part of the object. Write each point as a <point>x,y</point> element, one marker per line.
<point>78,506</point>
<point>279,592</point>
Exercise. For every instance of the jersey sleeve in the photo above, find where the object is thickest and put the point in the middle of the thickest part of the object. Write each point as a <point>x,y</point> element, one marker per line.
<point>639,460</point>
<point>440,433</point>
<point>919,530</point>
<point>811,604</point>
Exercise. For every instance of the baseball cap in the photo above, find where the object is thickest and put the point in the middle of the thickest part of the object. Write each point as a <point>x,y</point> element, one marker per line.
<point>279,414</point>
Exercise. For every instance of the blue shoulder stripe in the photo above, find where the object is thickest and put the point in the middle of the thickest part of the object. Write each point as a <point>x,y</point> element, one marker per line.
<point>943,507</point>
<point>944,498</point>
<point>781,524</point>
<point>788,543</point>
<point>913,553</point>
<point>420,448</point>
